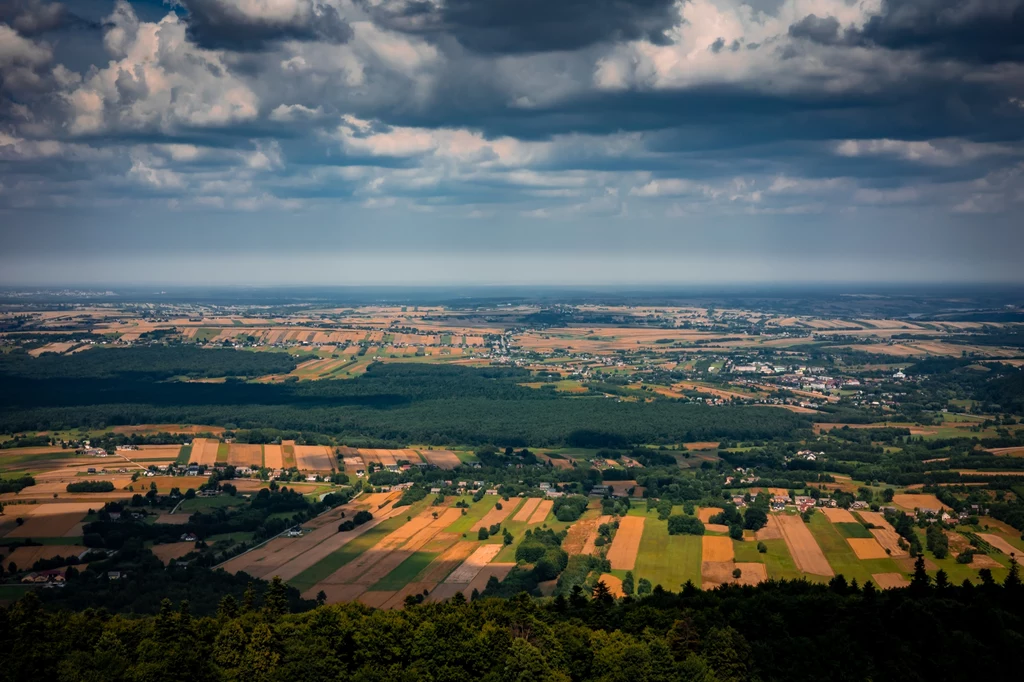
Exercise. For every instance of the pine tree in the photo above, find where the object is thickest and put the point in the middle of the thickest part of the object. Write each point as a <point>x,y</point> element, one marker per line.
<point>1012,580</point>
<point>920,581</point>
<point>602,594</point>
<point>275,600</point>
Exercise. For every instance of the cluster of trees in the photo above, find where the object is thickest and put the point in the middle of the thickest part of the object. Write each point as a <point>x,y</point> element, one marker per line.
<point>15,485</point>
<point>570,507</point>
<point>681,524</point>
<point>358,519</point>
<point>90,487</point>
<point>934,629</point>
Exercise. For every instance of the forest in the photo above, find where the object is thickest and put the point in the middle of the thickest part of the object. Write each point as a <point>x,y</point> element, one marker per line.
<point>394,402</point>
<point>931,630</point>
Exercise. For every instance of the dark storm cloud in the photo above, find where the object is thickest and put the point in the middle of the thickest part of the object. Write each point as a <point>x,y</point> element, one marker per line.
<point>222,24</point>
<point>522,26</point>
<point>35,17</point>
<point>986,31</point>
<point>821,30</point>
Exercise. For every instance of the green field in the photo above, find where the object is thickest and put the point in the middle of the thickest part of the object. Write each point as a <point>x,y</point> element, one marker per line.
<point>222,452</point>
<point>405,572</point>
<point>476,511</point>
<point>207,503</point>
<point>853,530</point>
<point>667,560</point>
<point>959,572</point>
<point>841,556</point>
<point>777,560</point>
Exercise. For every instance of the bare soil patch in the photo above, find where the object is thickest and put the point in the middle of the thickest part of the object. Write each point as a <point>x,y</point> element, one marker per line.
<point>613,584</point>
<point>1001,544</point>
<point>526,510</point>
<point>716,549</point>
<point>772,531</point>
<point>716,573</point>
<point>590,546</point>
<point>876,519</point>
<point>836,515</point>
<point>541,512</point>
<point>273,456</point>
<point>802,546</point>
<point>889,540</point>
<point>576,536</point>
<point>626,543</point>
<point>888,581</point>
<point>25,557</point>
<point>245,455</point>
<point>442,459</point>
<point>474,564</point>
<point>314,458</point>
<point>52,520</point>
<point>917,501</point>
<point>866,548</point>
<point>705,513</point>
<point>204,451</point>
<point>173,550</point>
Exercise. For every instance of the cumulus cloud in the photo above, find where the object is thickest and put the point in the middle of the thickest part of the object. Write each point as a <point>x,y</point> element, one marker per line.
<point>650,110</point>
<point>157,80</point>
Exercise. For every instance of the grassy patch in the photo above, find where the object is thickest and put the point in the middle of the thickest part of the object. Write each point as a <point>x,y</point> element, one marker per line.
<point>476,511</point>
<point>777,560</point>
<point>13,592</point>
<point>229,539</point>
<point>222,452</point>
<point>853,530</point>
<point>207,503</point>
<point>287,456</point>
<point>667,560</point>
<point>405,572</point>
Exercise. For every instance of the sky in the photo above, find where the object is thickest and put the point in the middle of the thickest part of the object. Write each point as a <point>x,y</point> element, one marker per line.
<point>413,142</point>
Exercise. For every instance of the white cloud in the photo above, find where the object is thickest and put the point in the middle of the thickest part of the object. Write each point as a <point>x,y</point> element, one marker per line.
<point>947,152</point>
<point>158,80</point>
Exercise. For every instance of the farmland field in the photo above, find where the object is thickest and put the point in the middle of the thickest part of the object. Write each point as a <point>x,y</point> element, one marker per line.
<point>667,560</point>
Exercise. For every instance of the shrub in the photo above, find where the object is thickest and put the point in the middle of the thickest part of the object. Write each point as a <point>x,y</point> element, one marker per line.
<point>762,548</point>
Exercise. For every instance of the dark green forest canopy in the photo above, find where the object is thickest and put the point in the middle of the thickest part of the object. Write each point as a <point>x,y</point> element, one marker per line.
<point>145,362</point>
<point>774,631</point>
<point>406,403</point>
